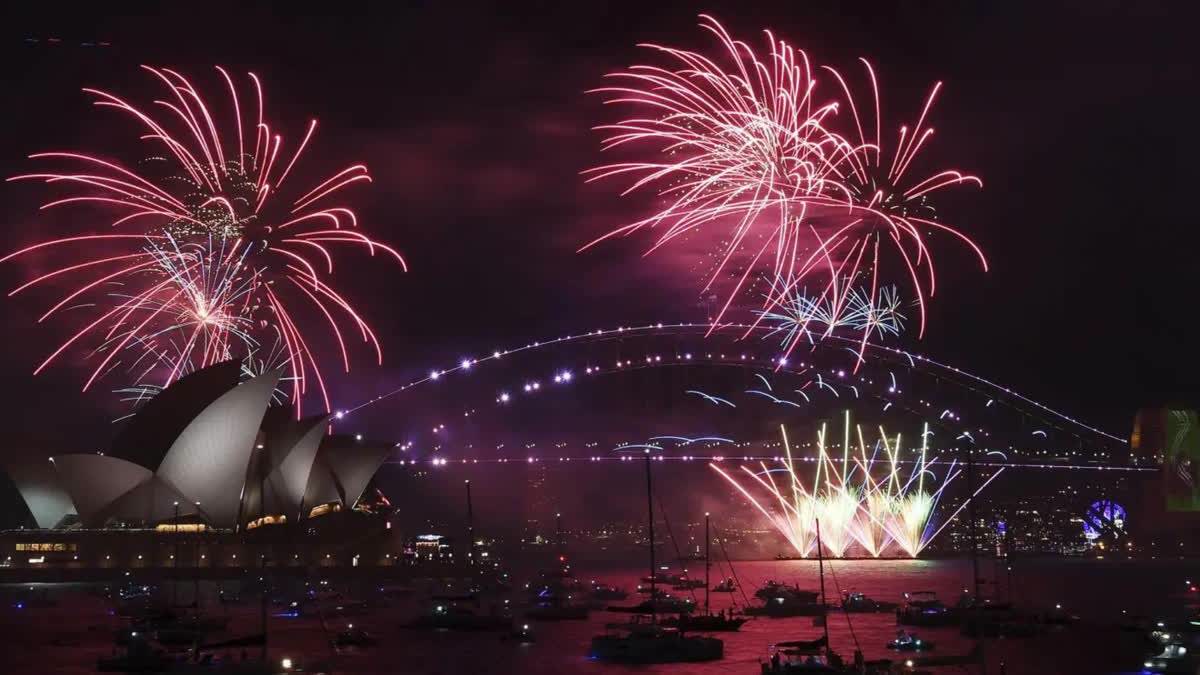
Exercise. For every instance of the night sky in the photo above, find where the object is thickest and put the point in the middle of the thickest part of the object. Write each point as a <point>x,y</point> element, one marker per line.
<point>474,122</point>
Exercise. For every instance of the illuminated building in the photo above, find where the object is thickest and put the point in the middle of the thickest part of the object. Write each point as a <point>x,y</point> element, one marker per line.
<point>207,457</point>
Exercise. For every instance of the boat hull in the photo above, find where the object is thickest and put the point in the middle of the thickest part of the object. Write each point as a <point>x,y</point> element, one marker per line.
<point>665,649</point>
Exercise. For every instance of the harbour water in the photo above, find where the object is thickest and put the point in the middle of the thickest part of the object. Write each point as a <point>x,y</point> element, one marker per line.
<point>69,635</point>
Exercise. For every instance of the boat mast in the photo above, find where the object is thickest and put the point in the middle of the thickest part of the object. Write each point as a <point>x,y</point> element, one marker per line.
<point>821,572</point>
<point>470,527</point>
<point>558,536</point>
<point>650,510</point>
<point>266,585</point>
<point>707,611</point>
<point>970,448</point>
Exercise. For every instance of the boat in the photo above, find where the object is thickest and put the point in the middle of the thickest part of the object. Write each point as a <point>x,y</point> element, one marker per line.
<point>459,613</point>
<point>1000,627</point>
<point>354,637</point>
<point>971,658</point>
<point>650,642</point>
<point>1174,658</point>
<point>792,602</point>
<point>558,579</point>
<point>139,657</point>
<point>1058,616</point>
<point>521,635</point>
<point>556,610</point>
<point>772,589</point>
<point>644,640</point>
<point>725,586</point>
<point>607,592</point>
<point>556,602</point>
<point>815,656</point>
<point>922,608</point>
<point>802,656</point>
<point>909,642</point>
<point>706,622</point>
<point>680,581</point>
<point>667,604</point>
<point>995,619</point>
<point>860,603</point>
<point>192,622</point>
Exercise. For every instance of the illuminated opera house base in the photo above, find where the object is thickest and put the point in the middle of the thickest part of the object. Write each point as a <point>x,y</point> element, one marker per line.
<point>349,539</point>
<point>206,475</point>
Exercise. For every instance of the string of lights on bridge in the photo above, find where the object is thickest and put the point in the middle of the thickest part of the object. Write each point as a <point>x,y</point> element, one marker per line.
<point>565,376</point>
<point>533,386</point>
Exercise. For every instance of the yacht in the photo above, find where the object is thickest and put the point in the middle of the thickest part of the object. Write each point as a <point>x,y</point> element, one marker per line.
<point>922,608</point>
<point>815,656</point>
<point>788,601</point>
<point>649,642</point>
<point>909,642</point>
<point>860,603</point>
<point>661,604</point>
<point>771,589</point>
<point>644,640</point>
<point>706,623</point>
<point>459,613</point>
<point>725,586</point>
<point>555,608</point>
<point>354,637</point>
<point>607,592</point>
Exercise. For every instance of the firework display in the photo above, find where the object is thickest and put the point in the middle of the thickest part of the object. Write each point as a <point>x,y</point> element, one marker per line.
<point>203,255</point>
<point>752,154</point>
<point>871,498</point>
<point>800,316</point>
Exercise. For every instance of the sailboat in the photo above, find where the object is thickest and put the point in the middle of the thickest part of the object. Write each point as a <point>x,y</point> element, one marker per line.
<point>706,621</point>
<point>815,656</point>
<point>556,595</point>
<point>645,640</point>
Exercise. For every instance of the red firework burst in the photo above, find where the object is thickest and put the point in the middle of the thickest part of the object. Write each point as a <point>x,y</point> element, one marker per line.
<point>212,253</point>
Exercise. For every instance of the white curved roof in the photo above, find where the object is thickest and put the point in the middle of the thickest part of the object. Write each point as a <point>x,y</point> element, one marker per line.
<point>322,486</point>
<point>96,481</point>
<point>151,501</point>
<point>343,469</point>
<point>287,482</point>
<point>37,481</point>
<point>148,435</point>
<point>354,468</point>
<point>208,462</point>
<point>281,469</point>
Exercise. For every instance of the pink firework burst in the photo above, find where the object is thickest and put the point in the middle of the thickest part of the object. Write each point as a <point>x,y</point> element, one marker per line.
<point>745,148</point>
<point>208,254</point>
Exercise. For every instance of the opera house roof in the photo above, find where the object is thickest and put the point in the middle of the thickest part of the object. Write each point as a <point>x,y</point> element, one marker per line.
<point>205,447</point>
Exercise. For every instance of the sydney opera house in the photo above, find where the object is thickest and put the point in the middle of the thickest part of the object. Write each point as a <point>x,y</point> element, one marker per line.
<point>209,457</point>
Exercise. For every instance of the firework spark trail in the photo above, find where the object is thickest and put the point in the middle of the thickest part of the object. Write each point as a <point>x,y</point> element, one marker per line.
<point>854,506</point>
<point>801,316</point>
<point>746,146</point>
<point>215,255</point>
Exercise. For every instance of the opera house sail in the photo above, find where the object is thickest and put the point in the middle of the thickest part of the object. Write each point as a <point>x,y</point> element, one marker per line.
<point>208,448</point>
